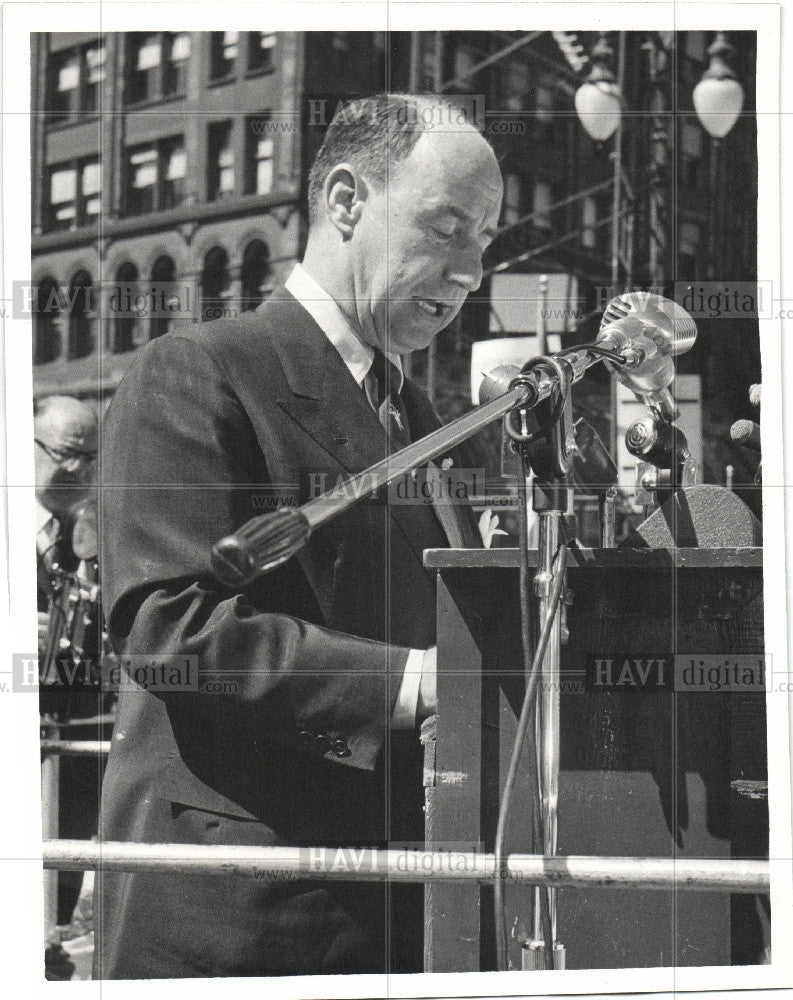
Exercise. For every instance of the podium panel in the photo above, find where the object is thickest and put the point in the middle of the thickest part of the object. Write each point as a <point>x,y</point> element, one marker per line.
<point>649,767</point>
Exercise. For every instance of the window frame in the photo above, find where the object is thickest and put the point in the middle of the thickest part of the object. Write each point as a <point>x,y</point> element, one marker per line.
<point>233,72</point>
<point>161,146</point>
<point>251,161</point>
<point>78,165</point>
<point>77,110</point>
<point>214,169</point>
<point>158,91</point>
<point>250,46</point>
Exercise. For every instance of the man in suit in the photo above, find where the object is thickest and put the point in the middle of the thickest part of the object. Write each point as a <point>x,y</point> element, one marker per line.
<point>65,433</point>
<point>311,682</point>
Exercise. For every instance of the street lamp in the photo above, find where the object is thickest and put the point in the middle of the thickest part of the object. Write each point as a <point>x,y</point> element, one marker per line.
<point>718,100</point>
<point>598,100</point>
<point>718,97</point>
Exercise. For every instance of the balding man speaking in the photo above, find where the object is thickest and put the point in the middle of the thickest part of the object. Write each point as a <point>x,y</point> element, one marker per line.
<point>301,729</point>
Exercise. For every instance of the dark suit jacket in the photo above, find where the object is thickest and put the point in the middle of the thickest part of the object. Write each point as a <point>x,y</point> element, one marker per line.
<point>288,739</point>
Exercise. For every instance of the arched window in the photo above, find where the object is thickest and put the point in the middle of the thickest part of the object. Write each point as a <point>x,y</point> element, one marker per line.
<point>81,316</point>
<point>214,283</point>
<point>46,322</point>
<point>126,321</point>
<point>163,273</point>
<point>255,274</point>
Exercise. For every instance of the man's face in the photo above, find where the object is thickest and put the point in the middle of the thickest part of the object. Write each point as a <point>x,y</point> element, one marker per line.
<point>418,245</point>
<point>65,454</point>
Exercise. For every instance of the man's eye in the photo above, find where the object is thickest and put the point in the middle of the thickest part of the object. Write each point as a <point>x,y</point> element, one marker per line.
<point>442,234</point>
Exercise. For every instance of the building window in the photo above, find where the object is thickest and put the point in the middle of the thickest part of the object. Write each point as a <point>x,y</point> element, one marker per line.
<point>95,71</point>
<point>156,176</point>
<point>174,170</point>
<point>90,189</point>
<point>589,214</point>
<point>255,274</point>
<point>81,316</point>
<point>142,188</point>
<point>74,194</point>
<point>63,198</point>
<point>215,282</point>
<point>46,323</point>
<point>163,274</point>
<point>177,54</point>
<point>126,321</point>
<point>223,49</point>
<point>74,81</point>
<point>145,67</point>
<point>261,51</point>
<point>220,159</point>
<point>158,65</point>
<point>541,204</point>
<point>259,150</point>
<point>65,90</point>
<point>512,200</point>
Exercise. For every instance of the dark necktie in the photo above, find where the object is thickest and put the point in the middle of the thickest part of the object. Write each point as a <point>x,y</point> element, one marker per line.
<point>386,379</point>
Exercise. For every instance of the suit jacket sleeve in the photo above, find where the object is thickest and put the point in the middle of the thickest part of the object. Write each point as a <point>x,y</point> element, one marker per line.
<point>180,462</point>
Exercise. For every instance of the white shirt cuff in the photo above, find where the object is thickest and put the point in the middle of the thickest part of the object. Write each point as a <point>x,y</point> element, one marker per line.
<point>404,715</point>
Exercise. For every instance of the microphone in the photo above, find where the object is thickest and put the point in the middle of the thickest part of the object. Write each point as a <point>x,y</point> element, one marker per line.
<point>747,434</point>
<point>648,331</point>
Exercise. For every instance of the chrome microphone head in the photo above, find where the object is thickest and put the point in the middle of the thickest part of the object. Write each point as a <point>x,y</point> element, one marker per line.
<point>664,322</point>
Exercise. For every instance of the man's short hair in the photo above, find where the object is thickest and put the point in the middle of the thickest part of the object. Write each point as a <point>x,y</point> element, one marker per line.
<point>373,134</point>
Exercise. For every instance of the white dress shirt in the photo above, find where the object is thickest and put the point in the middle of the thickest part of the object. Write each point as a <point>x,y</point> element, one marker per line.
<point>358,357</point>
<point>46,527</point>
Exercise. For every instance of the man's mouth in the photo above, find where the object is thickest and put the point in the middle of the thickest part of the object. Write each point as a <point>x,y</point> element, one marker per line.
<point>433,307</point>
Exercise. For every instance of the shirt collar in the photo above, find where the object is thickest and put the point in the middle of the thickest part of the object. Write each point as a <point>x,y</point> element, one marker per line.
<point>330,318</point>
<point>46,525</point>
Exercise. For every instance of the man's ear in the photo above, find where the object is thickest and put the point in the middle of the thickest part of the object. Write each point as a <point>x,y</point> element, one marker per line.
<point>345,193</point>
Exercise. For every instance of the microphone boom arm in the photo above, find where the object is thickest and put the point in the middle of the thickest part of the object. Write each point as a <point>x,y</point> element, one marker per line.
<point>268,540</point>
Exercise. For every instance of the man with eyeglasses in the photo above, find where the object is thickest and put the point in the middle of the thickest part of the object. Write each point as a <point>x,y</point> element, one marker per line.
<point>66,437</point>
<point>66,432</point>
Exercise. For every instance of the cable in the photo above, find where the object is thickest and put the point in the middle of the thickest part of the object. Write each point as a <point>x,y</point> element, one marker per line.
<point>596,349</point>
<point>532,667</point>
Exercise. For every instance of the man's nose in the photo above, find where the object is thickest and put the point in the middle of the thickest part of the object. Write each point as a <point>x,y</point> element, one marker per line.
<point>465,269</point>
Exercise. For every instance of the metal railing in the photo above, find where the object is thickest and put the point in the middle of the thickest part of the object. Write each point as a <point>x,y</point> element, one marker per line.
<point>372,865</point>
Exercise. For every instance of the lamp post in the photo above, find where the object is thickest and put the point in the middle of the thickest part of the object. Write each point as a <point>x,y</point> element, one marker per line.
<point>718,101</point>
<point>598,103</point>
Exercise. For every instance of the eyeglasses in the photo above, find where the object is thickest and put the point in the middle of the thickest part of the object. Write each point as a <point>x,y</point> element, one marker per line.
<point>60,456</point>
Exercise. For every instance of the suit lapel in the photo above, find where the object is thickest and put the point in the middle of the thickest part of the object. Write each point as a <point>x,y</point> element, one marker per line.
<point>325,399</point>
<point>329,405</point>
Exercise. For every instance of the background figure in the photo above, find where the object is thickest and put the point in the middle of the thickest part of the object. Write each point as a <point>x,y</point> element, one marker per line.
<point>66,433</point>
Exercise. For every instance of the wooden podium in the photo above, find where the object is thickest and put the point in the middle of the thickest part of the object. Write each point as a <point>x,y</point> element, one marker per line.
<point>646,771</point>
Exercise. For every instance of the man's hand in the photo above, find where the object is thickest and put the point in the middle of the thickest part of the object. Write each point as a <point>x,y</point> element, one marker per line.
<point>428,690</point>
